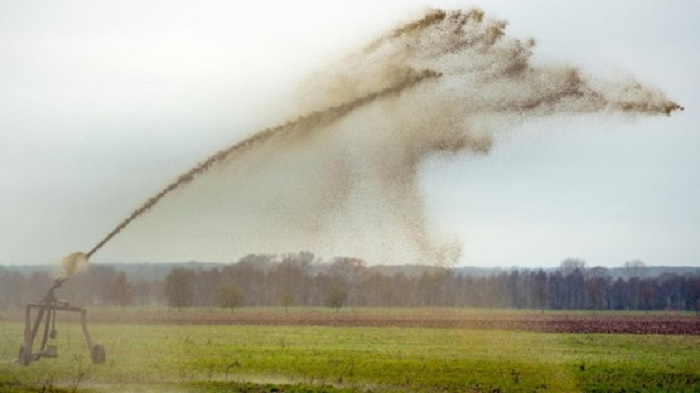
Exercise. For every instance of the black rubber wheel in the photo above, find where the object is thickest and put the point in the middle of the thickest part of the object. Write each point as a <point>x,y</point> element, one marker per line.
<point>23,358</point>
<point>98,354</point>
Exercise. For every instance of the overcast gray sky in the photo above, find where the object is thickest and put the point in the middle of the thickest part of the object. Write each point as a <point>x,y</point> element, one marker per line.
<point>102,103</point>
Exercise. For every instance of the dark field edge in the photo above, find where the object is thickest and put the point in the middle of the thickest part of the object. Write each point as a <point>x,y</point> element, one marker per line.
<point>664,324</point>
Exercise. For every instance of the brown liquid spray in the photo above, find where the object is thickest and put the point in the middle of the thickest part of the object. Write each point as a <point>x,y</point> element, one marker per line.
<point>344,179</point>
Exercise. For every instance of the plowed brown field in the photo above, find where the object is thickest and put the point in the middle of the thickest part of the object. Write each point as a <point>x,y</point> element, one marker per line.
<point>428,318</point>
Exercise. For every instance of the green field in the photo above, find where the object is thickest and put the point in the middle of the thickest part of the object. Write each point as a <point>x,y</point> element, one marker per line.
<point>312,358</point>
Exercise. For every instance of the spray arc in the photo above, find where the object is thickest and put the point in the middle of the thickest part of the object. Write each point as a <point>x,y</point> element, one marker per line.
<point>445,83</point>
<point>50,305</point>
<point>353,186</point>
<point>304,123</point>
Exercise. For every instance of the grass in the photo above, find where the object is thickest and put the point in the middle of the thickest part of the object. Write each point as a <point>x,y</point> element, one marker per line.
<point>146,358</point>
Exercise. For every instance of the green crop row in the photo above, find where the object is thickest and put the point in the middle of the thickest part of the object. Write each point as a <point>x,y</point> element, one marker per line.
<point>311,359</point>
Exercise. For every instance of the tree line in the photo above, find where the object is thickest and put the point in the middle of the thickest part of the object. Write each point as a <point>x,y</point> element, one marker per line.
<point>302,280</point>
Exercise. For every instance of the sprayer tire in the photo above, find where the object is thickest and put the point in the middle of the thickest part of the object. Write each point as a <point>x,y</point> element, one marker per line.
<point>23,358</point>
<point>98,354</point>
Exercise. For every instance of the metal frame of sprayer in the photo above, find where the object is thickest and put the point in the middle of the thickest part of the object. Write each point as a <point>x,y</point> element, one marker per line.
<point>47,308</point>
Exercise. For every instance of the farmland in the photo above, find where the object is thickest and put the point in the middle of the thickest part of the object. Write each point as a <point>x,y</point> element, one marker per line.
<point>364,350</point>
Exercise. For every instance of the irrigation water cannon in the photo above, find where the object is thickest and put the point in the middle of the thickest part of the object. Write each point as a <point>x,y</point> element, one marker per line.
<point>47,308</point>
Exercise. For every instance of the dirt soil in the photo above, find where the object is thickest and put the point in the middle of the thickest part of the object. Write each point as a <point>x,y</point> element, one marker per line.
<point>676,324</point>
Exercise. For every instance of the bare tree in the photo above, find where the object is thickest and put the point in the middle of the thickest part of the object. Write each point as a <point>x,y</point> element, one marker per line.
<point>123,291</point>
<point>178,288</point>
<point>646,293</point>
<point>336,296</point>
<point>635,269</point>
<point>569,265</point>
<point>348,272</point>
<point>596,283</point>
<point>229,296</point>
<point>143,290</point>
<point>12,289</point>
<point>99,279</point>
<point>541,288</point>
<point>249,274</point>
<point>289,276</point>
